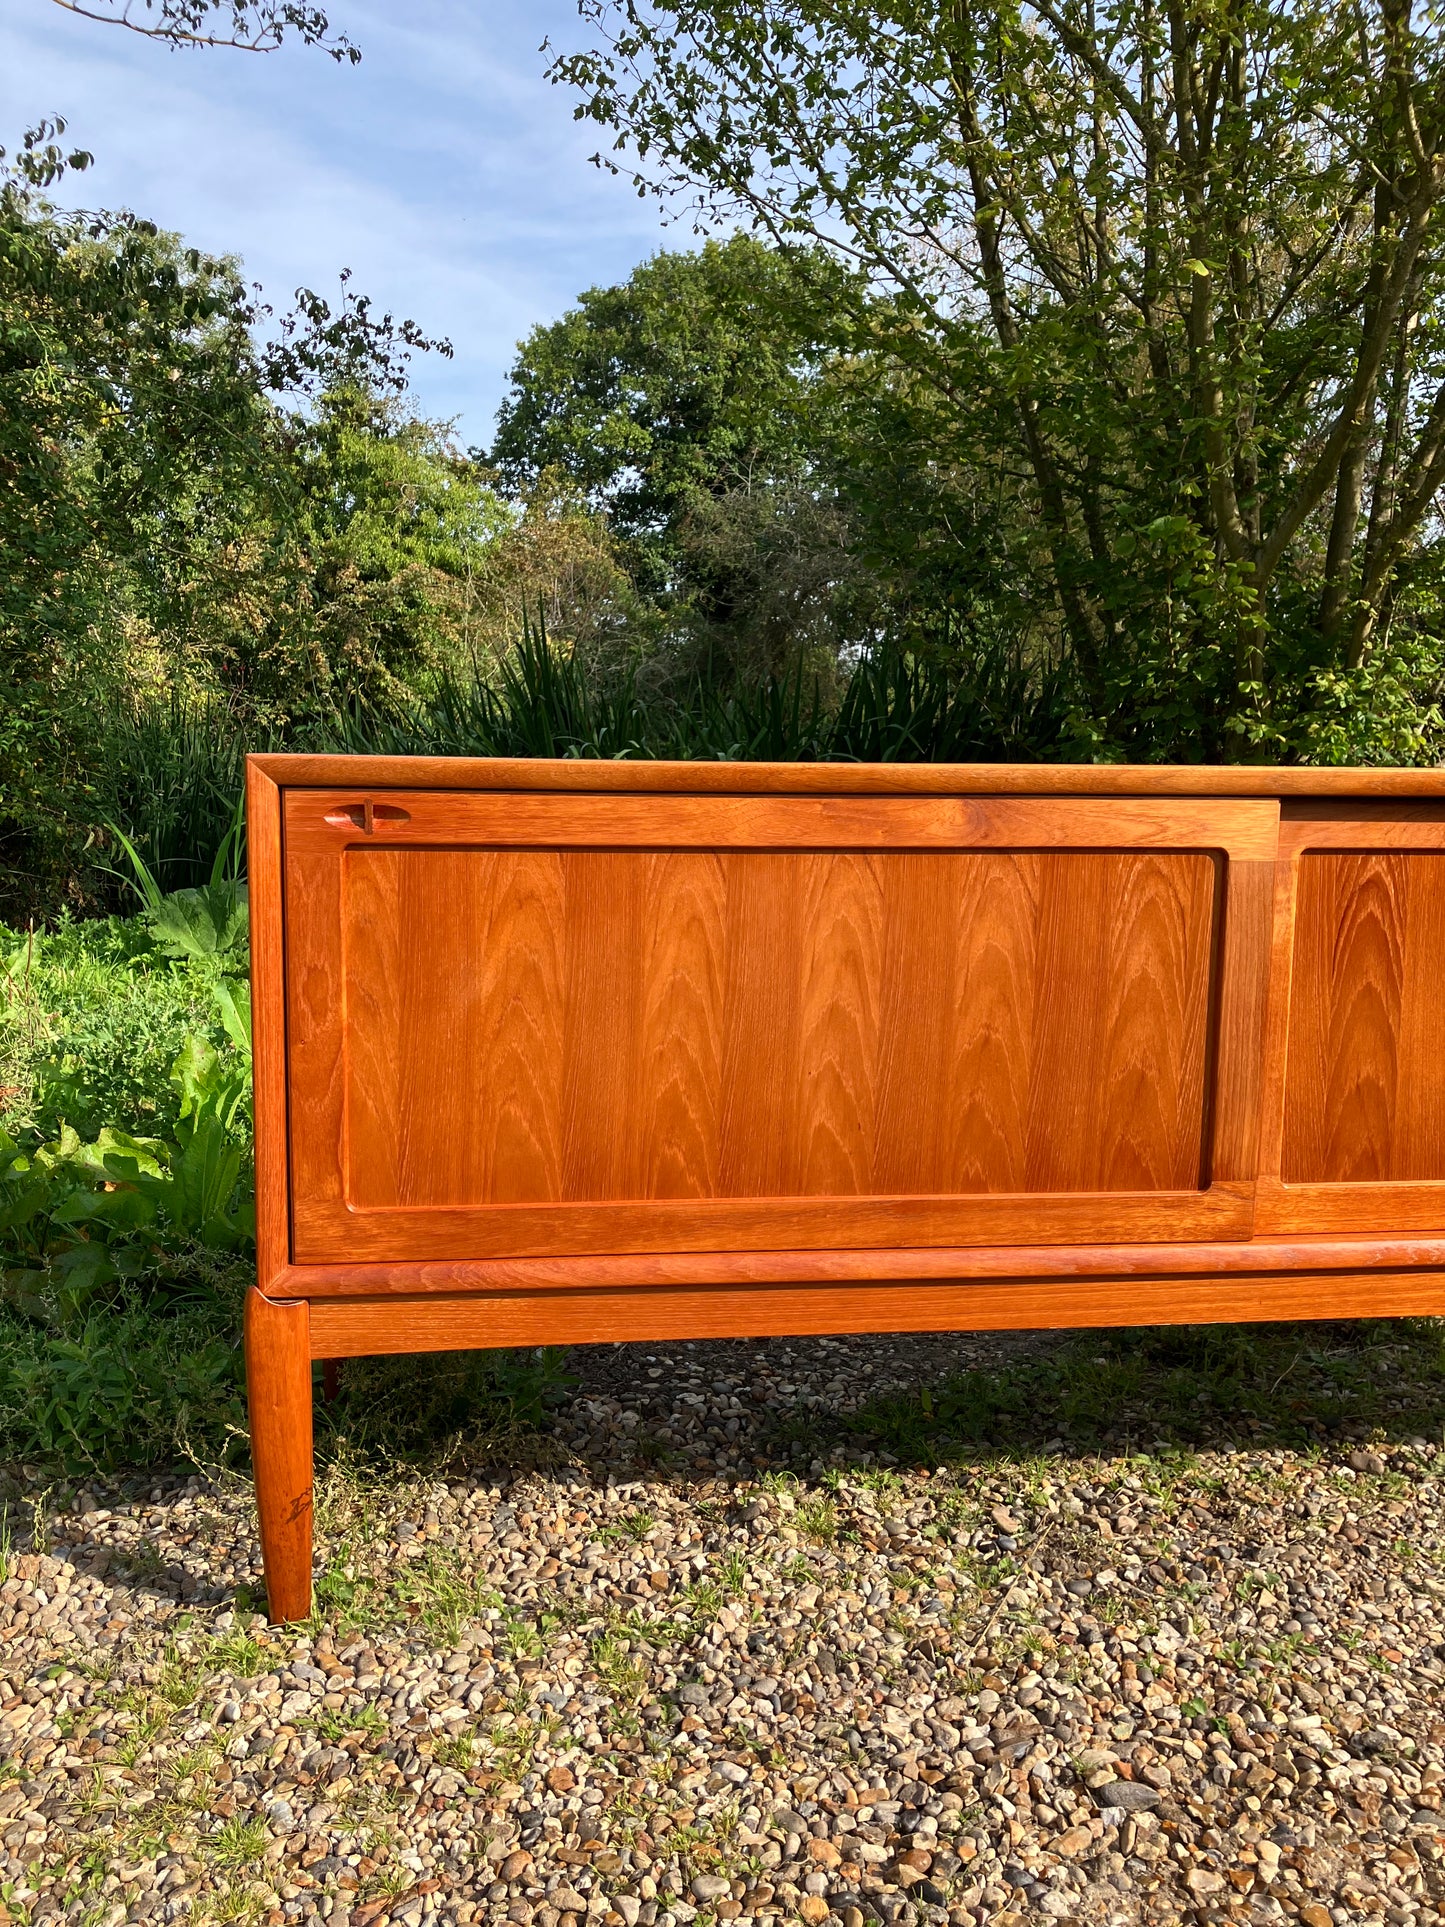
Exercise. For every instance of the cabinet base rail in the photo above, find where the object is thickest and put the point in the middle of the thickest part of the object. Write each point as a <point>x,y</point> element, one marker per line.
<point>285,1335</point>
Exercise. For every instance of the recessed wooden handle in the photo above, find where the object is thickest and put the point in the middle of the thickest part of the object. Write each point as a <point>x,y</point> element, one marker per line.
<point>367,816</point>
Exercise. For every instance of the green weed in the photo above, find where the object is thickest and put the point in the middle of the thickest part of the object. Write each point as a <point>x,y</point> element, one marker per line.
<point>333,1724</point>
<point>1171,1388</point>
<point>240,1843</point>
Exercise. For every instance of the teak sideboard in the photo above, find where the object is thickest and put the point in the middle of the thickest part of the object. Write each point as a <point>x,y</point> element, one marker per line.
<point>550,1052</point>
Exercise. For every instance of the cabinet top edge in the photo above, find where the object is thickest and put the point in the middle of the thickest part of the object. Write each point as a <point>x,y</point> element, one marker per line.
<point>580,775</point>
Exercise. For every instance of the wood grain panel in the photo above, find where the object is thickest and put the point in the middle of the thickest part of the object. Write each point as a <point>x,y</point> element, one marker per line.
<point>841,969</point>
<point>675,1125</point>
<point>454,984</point>
<point>607,1026</point>
<point>1236,1077</point>
<point>916,1015</point>
<point>1365,1080</point>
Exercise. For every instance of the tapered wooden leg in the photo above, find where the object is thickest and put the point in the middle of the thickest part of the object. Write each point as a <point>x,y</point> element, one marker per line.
<point>278,1390</point>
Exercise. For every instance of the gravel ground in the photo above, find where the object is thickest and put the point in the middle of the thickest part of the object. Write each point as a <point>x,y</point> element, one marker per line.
<point>676,1670</point>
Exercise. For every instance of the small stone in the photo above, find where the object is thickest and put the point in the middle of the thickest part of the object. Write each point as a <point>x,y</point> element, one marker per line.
<point>515,1864</point>
<point>1073,1840</point>
<point>1203,1881</point>
<point>280,1816</point>
<point>814,1908</point>
<point>629,1907</point>
<point>1314,1915</point>
<point>1130,1795</point>
<point>711,1886</point>
<point>659,1580</point>
<point>569,1900</point>
<point>561,1779</point>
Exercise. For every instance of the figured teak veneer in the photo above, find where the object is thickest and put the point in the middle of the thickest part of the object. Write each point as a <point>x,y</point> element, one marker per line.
<point>558,1052</point>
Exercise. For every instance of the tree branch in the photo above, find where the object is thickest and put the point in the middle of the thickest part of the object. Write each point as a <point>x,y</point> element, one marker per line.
<point>258,26</point>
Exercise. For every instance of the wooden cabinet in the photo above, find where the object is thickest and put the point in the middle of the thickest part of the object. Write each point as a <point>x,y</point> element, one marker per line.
<point>585,1050</point>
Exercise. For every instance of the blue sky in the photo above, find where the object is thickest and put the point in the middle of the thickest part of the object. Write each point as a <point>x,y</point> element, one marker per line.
<point>443,170</point>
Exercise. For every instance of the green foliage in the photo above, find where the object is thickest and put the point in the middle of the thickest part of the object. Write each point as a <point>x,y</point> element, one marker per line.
<point>203,923</point>
<point>1156,304</point>
<point>1094,355</point>
<point>196,523</point>
<point>92,1017</point>
<point>77,1216</point>
<point>133,1382</point>
<point>700,377</point>
<point>132,430</point>
<point>893,706</point>
<point>174,770</point>
<point>386,492</point>
<point>206,922</point>
<point>122,1252</point>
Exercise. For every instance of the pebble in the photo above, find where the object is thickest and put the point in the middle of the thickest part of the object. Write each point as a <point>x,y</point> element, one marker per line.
<point>676,1670</point>
<point>1131,1795</point>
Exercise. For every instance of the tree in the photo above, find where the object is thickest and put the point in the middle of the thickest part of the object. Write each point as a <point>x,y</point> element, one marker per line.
<point>183,507</point>
<point>695,405</point>
<point>701,375</point>
<point>125,378</point>
<point>1180,263</point>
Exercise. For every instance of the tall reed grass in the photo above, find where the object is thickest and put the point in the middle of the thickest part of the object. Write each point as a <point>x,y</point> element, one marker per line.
<point>893,706</point>
<point>176,764</point>
<point>173,778</point>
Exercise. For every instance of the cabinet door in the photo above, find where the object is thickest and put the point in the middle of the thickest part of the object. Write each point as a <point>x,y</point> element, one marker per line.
<point>557,1024</point>
<point>1355,1102</point>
